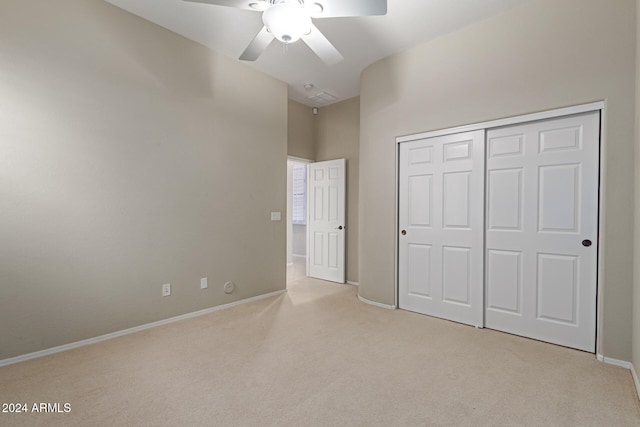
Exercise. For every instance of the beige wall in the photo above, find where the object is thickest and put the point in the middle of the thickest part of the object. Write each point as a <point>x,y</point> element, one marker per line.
<point>337,136</point>
<point>300,142</point>
<point>636,254</point>
<point>543,55</point>
<point>129,157</point>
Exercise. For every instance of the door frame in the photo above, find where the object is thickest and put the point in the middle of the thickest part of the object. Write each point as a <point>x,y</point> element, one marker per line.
<point>599,106</point>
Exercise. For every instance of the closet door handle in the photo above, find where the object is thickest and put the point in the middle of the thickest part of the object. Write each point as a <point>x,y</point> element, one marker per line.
<point>404,232</point>
<point>586,243</point>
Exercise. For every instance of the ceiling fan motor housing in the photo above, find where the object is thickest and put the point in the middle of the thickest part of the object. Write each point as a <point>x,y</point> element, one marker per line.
<point>287,20</point>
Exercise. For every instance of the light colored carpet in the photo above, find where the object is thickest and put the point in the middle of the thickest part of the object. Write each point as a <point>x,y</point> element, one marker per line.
<point>317,356</point>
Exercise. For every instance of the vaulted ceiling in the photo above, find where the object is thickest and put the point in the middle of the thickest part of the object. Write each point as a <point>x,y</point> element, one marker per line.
<point>361,40</point>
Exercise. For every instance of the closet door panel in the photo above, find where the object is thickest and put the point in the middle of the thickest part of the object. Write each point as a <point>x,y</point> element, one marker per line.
<point>542,204</point>
<point>441,223</point>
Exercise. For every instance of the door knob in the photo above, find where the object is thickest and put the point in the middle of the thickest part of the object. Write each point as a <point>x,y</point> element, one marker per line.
<point>586,243</point>
<point>404,232</point>
<point>339,228</point>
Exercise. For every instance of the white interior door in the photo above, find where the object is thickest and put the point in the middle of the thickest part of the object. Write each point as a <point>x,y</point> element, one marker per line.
<point>326,225</point>
<point>441,227</point>
<point>542,212</point>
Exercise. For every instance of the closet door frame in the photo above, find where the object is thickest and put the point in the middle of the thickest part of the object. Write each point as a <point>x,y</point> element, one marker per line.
<point>514,120</point>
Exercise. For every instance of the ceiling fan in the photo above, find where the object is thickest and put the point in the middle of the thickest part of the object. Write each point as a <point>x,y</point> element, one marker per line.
<point>291,20</point>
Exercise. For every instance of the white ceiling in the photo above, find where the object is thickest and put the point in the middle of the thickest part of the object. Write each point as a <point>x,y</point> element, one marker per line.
<point>361,40</point>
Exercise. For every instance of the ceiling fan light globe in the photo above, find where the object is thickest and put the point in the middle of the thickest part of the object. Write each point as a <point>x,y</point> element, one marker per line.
<point>287,22</point>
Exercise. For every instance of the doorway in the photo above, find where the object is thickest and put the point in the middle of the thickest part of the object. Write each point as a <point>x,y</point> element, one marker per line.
<point>296,218</point>
<point>326,228</point>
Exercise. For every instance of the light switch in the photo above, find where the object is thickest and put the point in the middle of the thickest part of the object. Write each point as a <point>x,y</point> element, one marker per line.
<point>275,216</point>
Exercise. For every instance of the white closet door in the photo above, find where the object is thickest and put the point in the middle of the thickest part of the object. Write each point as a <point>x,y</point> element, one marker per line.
<point>441,209</point>
<point>542,213</point>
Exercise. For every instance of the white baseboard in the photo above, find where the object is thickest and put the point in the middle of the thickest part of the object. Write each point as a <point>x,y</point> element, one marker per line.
<point>349,282</point>
<point>623,364</point>
<point>377,304</point>
<point>636,381</point>
<point>615,362</point>
<point>116,334</point>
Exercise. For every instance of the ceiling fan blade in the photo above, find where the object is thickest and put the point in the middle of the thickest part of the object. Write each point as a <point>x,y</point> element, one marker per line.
<point>341,8</point>
<point>257,45</point>
<point>322,47</point>
<point>239,4</point>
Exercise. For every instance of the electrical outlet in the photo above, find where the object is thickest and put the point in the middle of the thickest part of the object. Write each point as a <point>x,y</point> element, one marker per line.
<point>166,289</point>
<point>204,283</point>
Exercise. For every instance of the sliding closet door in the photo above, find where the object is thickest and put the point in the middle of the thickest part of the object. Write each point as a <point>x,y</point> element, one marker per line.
<point>542,229</point>
<point>440,236</point>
